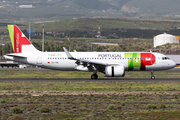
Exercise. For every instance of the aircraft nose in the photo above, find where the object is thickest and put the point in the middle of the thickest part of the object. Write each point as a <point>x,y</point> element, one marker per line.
<point>173,64</point>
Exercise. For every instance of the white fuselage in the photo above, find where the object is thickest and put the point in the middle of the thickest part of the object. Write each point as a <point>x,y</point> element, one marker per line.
<point>59,60</point>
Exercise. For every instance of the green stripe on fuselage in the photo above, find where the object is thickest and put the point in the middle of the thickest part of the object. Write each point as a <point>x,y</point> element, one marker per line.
<point>133,60</point>
<point>11,33</point>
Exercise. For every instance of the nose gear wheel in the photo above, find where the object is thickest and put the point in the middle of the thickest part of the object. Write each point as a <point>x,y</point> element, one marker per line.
<point>94,76</point>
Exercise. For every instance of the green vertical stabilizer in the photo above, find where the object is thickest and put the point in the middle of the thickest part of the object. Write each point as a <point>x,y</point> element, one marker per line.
<point>11,33</point>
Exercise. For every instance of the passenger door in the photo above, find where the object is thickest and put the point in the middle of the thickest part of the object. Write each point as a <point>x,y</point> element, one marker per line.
<point>39,59</point>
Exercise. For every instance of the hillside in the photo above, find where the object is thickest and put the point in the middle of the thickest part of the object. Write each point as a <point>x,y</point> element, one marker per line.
<point>90,24</point>
<point>45,10</point>
<point>126,26</point>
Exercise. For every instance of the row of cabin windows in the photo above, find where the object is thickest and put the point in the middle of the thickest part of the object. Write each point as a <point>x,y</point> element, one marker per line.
<point>163,58</point>
<point>104,58</point>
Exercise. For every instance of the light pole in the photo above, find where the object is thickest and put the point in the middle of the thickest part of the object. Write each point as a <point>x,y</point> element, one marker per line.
<point>42,38</point>
<point>2,51</point>
<point>29,31</point>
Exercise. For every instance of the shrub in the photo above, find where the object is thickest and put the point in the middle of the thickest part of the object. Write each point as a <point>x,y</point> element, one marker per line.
<point>16,110</point>
<point>123,103</point>
<point>148,106</point>
<point>119,107</point>
<point>44,110</point>
<point>175,97</point>
<point>111,107</point>
<point>151,106</point>
<point>82,109</point>
<point>2,101</point>
<point>162,106</point>
<point>32,111</point>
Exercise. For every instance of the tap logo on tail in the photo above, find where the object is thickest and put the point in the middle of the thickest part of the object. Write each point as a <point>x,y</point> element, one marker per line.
<point>17,38</point>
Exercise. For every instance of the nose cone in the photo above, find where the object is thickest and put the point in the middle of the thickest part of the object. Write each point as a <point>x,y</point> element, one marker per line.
<point>173,64</point>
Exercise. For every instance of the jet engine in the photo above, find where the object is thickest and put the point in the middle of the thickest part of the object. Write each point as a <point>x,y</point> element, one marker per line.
<point>81,68</point>
<point>115,71</point>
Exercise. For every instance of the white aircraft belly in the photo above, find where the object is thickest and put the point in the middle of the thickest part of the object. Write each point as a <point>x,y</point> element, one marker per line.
<point>61,65</point>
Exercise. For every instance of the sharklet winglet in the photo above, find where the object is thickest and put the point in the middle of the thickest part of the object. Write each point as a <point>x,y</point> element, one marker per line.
<point>68,54</point>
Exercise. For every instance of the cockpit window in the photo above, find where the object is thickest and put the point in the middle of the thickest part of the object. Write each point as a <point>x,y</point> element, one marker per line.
<point>165,58</point>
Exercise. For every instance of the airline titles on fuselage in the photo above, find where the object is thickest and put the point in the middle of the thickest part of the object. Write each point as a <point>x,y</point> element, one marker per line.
<point>54,55</point>
<point>109,55</point>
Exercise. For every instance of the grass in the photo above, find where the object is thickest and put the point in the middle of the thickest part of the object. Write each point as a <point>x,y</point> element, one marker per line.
<point>88,100</point>
<point>91,86</point>
<point>76,75</point>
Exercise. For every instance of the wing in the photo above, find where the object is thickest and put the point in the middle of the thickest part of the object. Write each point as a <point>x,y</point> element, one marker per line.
<point>91,65</point>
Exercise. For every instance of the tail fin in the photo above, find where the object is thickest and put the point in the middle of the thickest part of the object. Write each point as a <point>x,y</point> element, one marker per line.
<point>19,41</point>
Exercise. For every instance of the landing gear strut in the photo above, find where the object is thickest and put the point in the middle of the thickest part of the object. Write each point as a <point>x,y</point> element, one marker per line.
<point>152,75</point>
<point>94,76</point>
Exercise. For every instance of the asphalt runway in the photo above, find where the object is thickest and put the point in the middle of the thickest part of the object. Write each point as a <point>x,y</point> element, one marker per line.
<point>85,80</point>
<point>43,69</point>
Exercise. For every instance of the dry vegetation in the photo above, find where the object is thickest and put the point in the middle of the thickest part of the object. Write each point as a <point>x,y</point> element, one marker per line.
<point>89,100</point>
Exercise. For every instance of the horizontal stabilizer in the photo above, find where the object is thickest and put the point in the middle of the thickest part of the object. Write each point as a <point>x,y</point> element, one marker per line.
<point>16,55</point>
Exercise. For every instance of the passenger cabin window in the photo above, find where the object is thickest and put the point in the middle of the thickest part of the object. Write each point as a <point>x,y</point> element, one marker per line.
<point>147,58</point>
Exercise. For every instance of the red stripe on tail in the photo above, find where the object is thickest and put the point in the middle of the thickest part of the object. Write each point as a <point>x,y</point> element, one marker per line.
<point>19,40</point>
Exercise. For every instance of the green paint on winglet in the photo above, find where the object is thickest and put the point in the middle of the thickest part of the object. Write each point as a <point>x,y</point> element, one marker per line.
<point>11,33</point>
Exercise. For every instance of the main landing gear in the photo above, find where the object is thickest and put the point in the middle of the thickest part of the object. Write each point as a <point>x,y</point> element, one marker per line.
<point>152,75</point>
<point>94,76</point>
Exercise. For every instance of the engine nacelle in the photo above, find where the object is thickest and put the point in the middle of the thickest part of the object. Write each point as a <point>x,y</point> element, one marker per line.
<point>115,71</point>
<point>82,68</point>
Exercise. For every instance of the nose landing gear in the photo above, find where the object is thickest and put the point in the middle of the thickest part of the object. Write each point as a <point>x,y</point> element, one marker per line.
<point>152,75</point>
<point>94,76</point>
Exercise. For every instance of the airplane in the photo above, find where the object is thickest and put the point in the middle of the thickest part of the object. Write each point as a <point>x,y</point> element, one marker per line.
<point>112,64</point>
